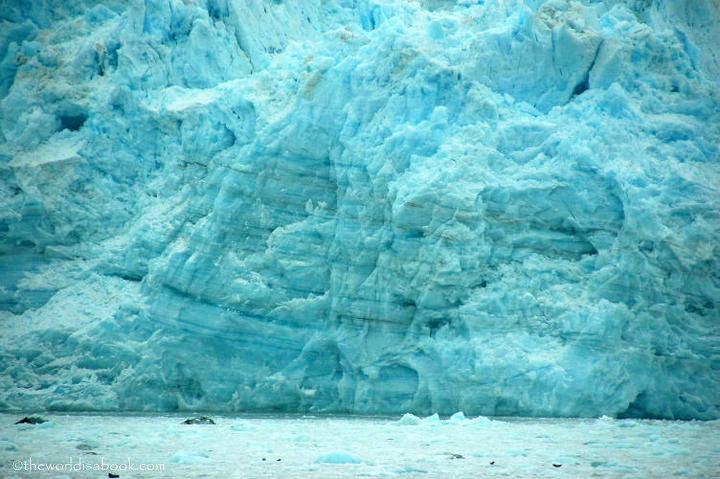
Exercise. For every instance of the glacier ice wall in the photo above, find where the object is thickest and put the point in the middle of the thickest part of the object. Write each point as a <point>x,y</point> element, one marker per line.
<point>505,207</point>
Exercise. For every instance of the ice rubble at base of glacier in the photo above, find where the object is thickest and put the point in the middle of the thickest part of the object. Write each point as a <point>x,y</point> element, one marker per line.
<point>307,446</point>
<point>505,207</point>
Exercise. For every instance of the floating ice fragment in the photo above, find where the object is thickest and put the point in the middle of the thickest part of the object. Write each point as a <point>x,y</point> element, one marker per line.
<point>338,457</point>
<point>31,420</point>
<point>240,426</point>
<point>434,419</point>
<point>682,472</point>
<point>410,470</point>
<point>481,421</point>
<point>189,456</point>
<point>409,419</point>
<point>628,423</point>
<point>199,420</point>
<point>516,452</point>
<point>458,417</point>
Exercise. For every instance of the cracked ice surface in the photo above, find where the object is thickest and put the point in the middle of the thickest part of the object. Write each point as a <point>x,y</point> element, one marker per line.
<point>507,207</point>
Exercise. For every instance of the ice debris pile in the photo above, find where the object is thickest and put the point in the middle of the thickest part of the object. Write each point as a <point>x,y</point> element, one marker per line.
<point>505,207</point>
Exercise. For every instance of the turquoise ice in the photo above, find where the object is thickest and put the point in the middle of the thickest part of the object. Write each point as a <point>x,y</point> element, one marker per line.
<point>504,207</point>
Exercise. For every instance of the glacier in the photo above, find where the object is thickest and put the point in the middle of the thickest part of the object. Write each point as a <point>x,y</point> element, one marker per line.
<point>504,207</point>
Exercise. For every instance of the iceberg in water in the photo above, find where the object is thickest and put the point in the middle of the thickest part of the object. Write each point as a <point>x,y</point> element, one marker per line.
<point>504,207</point>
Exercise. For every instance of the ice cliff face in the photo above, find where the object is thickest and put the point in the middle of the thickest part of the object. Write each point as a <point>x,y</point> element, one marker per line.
<point>500,206</point>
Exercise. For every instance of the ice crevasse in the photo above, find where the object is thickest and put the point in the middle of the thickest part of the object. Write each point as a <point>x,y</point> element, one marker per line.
<point>504,207</point>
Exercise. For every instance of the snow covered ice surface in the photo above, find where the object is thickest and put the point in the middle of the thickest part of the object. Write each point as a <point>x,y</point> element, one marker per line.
<point>506,207</point>
<point>337,447</point>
